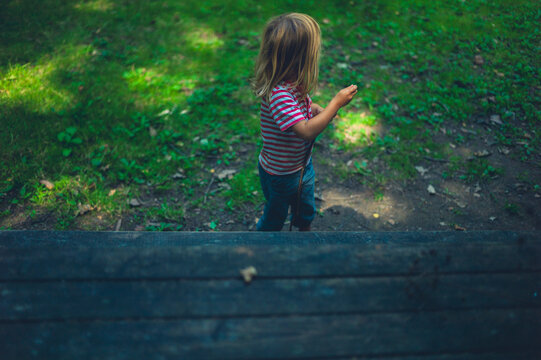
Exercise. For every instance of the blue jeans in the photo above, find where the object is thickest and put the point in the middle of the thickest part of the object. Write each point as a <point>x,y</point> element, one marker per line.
<point>281,192</point>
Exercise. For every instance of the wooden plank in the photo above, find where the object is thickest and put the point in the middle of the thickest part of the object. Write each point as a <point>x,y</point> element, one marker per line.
<point>479,331</point>
<point>180,255</point>
<point>455,356</point>
<point>100,239</point>
<point>215,298</point>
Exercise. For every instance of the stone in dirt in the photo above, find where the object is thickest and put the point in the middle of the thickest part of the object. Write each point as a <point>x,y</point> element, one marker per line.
<point>228,173</point>
<point>134,202</point>
<point>496,119</point>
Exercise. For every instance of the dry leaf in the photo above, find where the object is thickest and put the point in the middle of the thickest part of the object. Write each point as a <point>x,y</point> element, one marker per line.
<point>82,209</point>
<point>496,119</point>
<point>375,215</point>
<point>482,153</point>
<point>226,174</point>
<point>248,273</point>
<point>49,185</point>
<point>421,170</point>
<point>111,192</point>
<point>134,202</point>
<point>459,228</point>
<point>478,60</point>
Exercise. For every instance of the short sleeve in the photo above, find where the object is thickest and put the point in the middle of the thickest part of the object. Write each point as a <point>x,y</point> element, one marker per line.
<point>285,110</point>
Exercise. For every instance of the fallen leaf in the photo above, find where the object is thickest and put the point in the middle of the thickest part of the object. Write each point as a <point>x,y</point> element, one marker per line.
<point>421,170</point>
<point>391,221</point>
<point>82,209</point>
<point>248,273</point>
<point>479,60</point>
<point>111,192</point>
<point>226,174</point>
<point>134,202</point>
<point>482,153</point>
<point>165,112</point>
<point>49,185</point>
<point>431,190</point>
<point>496,119</point>
<point>375,215</point>
<point>459,228</point>
<point>492,218</point>
<point>504,150</point>
<point>178,175</point>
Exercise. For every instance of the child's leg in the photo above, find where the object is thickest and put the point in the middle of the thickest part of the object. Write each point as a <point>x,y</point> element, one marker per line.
<point>307,210</point>
<point>277,205</point>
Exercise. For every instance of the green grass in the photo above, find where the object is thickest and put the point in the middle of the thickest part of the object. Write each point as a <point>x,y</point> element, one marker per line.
<point>101,95</point>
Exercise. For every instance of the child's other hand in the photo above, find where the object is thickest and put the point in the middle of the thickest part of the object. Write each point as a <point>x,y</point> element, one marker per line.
<point>316,109</point>
<point>345,95</point>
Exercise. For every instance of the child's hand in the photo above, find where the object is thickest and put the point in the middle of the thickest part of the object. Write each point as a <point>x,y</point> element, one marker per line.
<point>316,109</point>
<point>345,95</point>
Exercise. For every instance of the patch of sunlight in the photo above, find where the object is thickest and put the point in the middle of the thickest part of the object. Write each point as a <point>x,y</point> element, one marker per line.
<point>359,129</point>
<point>203,39</point>
<point>29,86</point>
<point>71,193</point>
<point>389,209</point>
<point>96,5</point>
<point>35,86</point>
<point>157,86</point>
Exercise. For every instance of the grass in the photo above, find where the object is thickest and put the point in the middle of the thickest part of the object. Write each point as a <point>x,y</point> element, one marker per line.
<point>103,95</point>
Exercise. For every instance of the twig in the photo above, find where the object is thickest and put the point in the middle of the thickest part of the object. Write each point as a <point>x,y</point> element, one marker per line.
<point>438,160</point>
<point>119,222</point>
<point>208,188</point>
<point>443,105</point>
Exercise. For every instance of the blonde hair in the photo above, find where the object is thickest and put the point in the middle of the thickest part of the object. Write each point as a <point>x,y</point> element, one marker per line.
<point>289,50</point>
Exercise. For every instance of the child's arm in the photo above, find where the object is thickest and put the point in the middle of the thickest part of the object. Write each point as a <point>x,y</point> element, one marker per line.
<point>309,130</point>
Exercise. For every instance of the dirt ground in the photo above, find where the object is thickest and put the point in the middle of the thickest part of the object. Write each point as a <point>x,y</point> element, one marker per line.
<point>345,204</point>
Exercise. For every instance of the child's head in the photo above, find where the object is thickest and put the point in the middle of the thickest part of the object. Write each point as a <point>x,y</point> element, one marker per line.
<point>289,51</point>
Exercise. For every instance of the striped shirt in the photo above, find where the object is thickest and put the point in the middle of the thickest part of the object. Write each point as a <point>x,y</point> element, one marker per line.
<point>283,151</point>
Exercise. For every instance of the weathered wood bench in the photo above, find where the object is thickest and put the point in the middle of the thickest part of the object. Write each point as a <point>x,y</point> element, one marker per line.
<point>139,295</point>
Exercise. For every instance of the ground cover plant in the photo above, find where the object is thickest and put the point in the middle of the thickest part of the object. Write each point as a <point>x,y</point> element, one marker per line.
<point>139,115</point>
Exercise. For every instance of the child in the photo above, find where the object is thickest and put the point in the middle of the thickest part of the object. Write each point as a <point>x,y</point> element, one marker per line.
<point>286,71</point>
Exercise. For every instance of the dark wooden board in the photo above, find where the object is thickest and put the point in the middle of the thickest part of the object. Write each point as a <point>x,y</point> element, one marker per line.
<point>402,296</point>
<point>217,298</point>
<point>222,255</point>
<point>306,337</point>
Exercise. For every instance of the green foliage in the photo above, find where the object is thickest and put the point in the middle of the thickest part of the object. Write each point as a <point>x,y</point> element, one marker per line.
<point>127,93</point>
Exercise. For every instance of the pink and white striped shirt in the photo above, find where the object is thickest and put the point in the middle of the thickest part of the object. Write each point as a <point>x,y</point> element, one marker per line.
<point>283,151</point>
